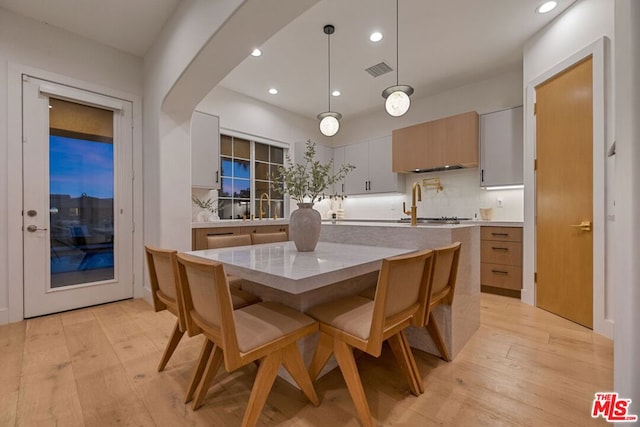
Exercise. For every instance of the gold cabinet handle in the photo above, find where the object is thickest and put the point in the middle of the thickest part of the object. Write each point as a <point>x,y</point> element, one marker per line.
<point>584,225</point>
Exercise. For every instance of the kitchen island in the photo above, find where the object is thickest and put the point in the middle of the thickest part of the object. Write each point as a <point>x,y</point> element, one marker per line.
<point>458,322</point>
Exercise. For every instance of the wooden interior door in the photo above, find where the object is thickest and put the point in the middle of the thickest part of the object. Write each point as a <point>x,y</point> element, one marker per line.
<point>564,193</point>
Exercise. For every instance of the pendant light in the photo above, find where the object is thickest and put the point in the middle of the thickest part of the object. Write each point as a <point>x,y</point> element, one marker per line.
<point>329,120</point>
<point>397,97</point>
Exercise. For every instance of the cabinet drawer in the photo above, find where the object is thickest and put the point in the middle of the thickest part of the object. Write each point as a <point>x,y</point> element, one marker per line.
<point>506,253</point>
<point>506,234</point>
<point>501,276</point>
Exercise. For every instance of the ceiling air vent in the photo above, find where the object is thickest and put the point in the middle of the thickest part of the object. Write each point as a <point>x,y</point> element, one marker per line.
<point>379,69</point>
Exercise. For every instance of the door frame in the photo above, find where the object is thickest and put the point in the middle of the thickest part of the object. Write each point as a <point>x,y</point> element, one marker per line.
<point>15,182</point>
<point>599,50</point>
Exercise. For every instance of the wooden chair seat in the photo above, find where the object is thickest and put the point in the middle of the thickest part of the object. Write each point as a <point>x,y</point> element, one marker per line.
<point>358,322</point>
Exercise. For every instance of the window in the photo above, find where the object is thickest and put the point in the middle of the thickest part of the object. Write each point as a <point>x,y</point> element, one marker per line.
<point>248,169</point>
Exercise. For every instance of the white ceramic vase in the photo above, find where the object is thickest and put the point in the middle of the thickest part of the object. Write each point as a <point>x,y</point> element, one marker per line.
<point>304,227</point>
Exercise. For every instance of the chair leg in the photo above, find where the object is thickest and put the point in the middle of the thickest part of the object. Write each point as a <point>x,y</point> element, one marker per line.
<point>292,360</point>
<point>407,363</point>
<point>347,363</point>
<point>205,353</point>
<point>324,349</point>
<point>213,364</point>
<point>176,335</point>
<point>434,331</point>
<point>261,388</point>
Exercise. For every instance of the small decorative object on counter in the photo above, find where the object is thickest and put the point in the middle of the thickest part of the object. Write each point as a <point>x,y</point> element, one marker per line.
<point>486,214</point>
<point>208,213</point>
<point>305,183</point>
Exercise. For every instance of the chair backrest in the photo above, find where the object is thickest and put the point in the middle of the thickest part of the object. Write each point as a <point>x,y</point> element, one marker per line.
<point>163,275</point>
<point>258,238</point>
<point>445,272</point>
<point>401,293</point>
<point>228,240</point>
<point>207,302</point>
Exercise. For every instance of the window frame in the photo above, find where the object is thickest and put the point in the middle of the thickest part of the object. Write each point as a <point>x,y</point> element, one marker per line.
<point>253,139</point>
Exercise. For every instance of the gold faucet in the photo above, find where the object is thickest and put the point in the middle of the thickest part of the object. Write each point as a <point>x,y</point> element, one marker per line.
<point>414,208</point>
<point>261,212</point>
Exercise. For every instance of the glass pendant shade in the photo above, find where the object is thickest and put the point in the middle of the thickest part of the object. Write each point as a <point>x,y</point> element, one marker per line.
<point>329,123</point>
<point>398,101</point>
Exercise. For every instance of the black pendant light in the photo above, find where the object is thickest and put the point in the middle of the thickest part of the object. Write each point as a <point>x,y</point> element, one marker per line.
<point>397,97</point>
<point>329,120</point>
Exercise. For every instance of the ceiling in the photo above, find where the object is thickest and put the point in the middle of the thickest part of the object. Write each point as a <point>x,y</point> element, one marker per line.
<point>442,45</point>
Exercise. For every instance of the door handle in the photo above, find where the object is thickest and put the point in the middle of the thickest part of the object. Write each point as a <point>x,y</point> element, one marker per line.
<point>584,225</point>
<point>33,228</point>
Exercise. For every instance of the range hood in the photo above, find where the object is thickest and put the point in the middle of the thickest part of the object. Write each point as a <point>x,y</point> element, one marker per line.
<point>439,169</point>
<point>439,145</point>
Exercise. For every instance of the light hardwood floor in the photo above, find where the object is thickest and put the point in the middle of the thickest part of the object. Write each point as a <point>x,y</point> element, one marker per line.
<point>97,367</point>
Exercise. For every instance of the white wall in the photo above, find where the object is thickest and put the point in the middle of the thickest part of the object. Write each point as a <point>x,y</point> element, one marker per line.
<point>240,113</point>
<point>627,183</point>
<point>584,23</point>
<point>27,45</point>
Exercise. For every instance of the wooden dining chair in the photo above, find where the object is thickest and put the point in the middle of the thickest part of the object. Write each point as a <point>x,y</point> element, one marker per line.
<point>167,295</point>
<point>163,274</point>
<point>228,240</point>
<point>356,322</point>
<point>442,288</point>
<point>266,332</point>
<point>259,238</point>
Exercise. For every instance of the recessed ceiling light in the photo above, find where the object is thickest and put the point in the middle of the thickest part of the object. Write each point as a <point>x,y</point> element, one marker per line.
<point>256,52</point>
<point>335,93</point>
<point>273,91</point>
<point>547,6</point>
<point>375,36</point>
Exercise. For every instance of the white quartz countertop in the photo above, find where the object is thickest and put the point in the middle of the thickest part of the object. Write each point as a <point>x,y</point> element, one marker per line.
<point>281,266</point>
<point>239,223</point>
<point>395,223</point>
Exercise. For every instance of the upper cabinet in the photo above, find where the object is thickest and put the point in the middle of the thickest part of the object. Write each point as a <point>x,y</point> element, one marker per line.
<point>373,172</point>
<point>501,157</point>
<point>205,150</point>
<point>447,143</point>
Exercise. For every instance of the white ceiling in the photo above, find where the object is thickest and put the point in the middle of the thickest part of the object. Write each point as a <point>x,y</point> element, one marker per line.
<point>442,44</point>
<point>127,25</point>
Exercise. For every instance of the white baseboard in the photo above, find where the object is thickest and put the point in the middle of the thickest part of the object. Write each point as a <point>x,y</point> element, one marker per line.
<point>4,316</point>
<point>147,295</point>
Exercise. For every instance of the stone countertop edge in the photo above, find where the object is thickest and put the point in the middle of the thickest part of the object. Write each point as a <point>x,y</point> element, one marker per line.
<point>239,223</point>
<point>395,223</point>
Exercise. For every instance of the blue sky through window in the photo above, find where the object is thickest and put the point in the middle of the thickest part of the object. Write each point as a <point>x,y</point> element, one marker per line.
<point>78,166</point>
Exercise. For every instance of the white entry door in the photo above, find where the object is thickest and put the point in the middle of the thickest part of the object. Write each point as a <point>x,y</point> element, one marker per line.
<point>77,198</point>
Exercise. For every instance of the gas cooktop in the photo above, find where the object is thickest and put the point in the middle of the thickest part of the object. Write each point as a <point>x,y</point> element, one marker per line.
<point>440,220</point>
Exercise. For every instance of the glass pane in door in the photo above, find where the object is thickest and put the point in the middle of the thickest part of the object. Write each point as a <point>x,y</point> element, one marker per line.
<point>81,194</point>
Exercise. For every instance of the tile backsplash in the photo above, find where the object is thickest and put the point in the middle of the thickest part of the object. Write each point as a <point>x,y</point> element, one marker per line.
<point>461,196</point>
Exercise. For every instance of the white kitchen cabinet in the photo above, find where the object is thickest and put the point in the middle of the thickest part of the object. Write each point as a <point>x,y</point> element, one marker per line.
<point>372,174</point>
<point>501,147</point>
<point>205,150</point>
<point>338,160</point>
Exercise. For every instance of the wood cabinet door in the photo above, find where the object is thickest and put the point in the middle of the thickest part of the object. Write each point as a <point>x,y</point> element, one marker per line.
<point>409,148</point>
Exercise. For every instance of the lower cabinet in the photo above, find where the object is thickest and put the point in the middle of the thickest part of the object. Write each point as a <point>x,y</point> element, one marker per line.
<point>199,235</point>
<point>501,260</point>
